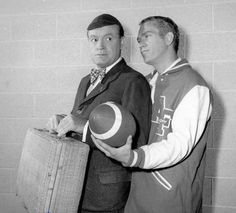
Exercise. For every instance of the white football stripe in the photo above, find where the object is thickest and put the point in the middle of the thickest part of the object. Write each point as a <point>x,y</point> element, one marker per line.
<point>114,129</point>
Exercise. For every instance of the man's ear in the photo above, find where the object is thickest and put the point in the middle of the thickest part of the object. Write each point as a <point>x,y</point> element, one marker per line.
<point>169,38</point>
<point>122,41</point>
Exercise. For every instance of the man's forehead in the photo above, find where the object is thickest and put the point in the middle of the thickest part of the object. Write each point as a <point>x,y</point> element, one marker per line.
<point>147,27</point>
<point>105,30</point>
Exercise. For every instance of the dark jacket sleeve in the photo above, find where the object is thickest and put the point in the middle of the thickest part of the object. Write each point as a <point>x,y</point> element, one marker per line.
<point>137,99</point>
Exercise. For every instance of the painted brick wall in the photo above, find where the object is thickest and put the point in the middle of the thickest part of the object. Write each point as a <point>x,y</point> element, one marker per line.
<point>43,55</point>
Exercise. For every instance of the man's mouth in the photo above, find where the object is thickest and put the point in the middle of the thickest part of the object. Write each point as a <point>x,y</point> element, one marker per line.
<point>143,52</point>
<point>101,54</point>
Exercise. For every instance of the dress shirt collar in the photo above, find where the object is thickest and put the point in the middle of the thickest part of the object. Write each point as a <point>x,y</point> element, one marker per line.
<point>112,65</point>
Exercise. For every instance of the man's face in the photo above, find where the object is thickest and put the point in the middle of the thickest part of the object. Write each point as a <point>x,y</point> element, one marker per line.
<point>152,46</point>
<point>105,45</point>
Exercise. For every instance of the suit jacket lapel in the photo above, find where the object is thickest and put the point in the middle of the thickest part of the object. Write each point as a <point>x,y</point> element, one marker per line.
<point>84,87</point>
<point>109,77</point>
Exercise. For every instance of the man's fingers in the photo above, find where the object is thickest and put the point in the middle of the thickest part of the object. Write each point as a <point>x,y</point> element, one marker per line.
<point>52,131</point>
<point>64,126</point>
<point>60,133</point>
<point>52,123</point>
<point>61,129</point>
<point>129,140</point>
<point>102,146</point>
<point>102,149</point>
<point>121,154</point>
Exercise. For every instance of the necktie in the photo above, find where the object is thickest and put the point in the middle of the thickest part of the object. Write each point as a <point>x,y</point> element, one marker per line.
<point>95,73</point>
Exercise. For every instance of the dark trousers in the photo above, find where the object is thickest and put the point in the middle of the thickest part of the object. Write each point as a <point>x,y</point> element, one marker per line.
<point>115,211</point>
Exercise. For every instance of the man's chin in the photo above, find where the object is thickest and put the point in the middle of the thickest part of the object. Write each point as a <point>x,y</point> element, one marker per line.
<point>100,63</point>
<point>146,60</point>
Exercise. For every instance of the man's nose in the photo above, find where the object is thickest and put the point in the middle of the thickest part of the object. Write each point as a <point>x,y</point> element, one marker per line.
<point>100,44</point>
<point>142,43</point>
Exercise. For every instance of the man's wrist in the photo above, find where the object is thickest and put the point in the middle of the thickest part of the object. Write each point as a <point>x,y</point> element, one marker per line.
<point>131,158</point>
<point>80,125</point>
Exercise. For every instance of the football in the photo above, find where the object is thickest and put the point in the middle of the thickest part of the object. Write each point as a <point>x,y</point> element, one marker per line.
<point>112,123</point>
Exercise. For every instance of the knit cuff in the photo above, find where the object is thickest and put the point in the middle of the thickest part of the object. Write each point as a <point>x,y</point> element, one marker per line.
<point>132,158</point>
<point>137,158</point>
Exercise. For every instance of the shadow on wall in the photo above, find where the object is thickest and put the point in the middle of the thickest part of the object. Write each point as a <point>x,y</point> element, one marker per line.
<point>212,164</point>
<point>215,137</point>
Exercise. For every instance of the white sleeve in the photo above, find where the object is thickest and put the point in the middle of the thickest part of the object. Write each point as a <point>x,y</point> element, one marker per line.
<point>85,130</point>
<point>188,124</point>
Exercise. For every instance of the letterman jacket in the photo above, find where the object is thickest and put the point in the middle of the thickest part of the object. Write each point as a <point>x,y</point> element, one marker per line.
<point>173,162</point>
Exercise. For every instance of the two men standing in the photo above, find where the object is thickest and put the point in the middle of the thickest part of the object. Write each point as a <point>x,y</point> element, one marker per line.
<point>168,157</point>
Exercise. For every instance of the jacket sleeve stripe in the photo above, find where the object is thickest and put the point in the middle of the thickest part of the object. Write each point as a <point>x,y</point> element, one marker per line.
<point>162,180</point>
<point>135,157</point>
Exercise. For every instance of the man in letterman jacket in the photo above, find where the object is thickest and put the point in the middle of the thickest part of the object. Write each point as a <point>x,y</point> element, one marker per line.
<point>173,161</point>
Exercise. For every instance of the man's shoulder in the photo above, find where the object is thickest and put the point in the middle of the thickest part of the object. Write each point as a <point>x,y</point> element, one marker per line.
<point>131,72</point>
<point>85,77</point>
<point>193,76</point>
<point>134,76</point>
<point>127,68</point>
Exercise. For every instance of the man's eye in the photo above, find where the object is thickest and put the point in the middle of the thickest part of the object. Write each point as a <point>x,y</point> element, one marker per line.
<point>93,40</point>
<point>109,38</point>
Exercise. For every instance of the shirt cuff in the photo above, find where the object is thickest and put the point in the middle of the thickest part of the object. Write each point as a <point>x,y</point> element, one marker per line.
<point>85,130</point>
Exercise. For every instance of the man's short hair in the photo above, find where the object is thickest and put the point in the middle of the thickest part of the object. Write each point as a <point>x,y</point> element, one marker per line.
<point>105,20</point>
<point>164,25</point>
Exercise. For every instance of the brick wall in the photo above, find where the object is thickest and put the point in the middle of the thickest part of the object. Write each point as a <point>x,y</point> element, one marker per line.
<point>43,55</point>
